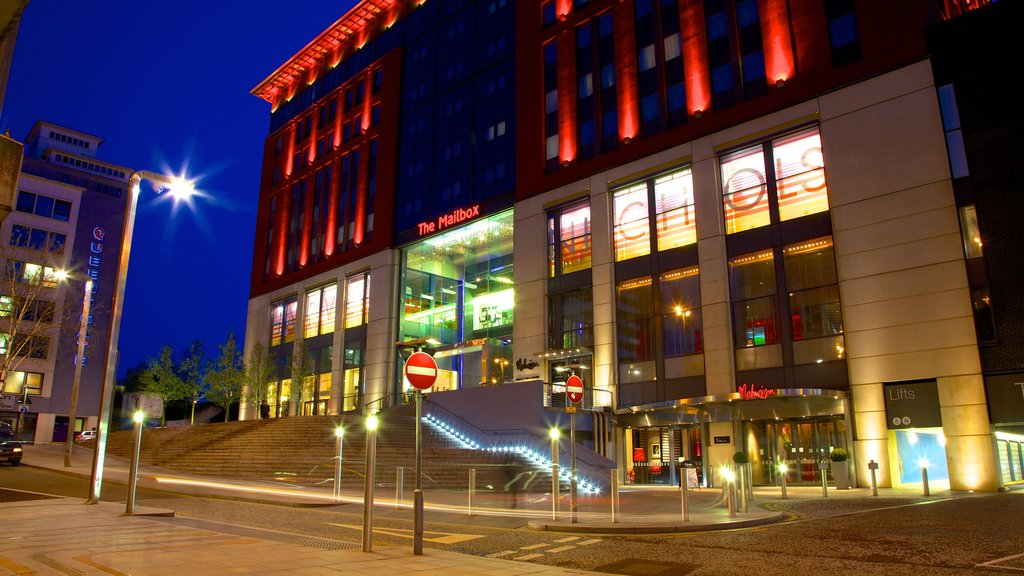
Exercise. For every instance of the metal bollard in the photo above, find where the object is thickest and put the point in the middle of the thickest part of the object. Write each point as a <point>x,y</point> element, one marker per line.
<point>873,466</point>
<point>615,495</point>
<point>399,485</point>
<point>924,481</point>
<point>554,491</point>
<point>824,480</point>
<point>730,486</point>
<point>685,489</point>
<point>472,489</point>
<point>743,488</point>
<point>782,472</point>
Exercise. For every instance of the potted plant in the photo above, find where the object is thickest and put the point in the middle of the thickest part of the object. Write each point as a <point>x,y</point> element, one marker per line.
<point>840,469</point>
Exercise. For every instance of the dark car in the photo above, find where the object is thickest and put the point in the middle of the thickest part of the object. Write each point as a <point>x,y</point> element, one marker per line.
<point>10,449</point>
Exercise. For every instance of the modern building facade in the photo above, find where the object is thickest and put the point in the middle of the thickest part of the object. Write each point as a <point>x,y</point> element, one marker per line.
<point>736,220</point>
<point>68,216</point>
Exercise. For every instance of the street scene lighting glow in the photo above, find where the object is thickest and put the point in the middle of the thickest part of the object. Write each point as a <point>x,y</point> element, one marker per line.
<point>339,431</point>
<point>555,433</point>
<point>371,422</point>
<point>139,416</point>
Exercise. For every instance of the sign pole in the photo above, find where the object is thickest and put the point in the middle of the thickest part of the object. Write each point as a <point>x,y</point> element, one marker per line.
<point>417,542</point>
<point>572,473</point>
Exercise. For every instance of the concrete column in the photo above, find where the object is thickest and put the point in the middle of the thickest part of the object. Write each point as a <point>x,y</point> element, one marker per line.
<point>969,452</point>
<point>871,440</point>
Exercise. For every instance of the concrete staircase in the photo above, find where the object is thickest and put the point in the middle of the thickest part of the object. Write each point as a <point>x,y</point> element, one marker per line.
<point>302,450</point>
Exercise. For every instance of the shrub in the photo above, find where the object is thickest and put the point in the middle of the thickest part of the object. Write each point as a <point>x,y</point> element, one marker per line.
<point>740,458</point>
<point>839,455</point>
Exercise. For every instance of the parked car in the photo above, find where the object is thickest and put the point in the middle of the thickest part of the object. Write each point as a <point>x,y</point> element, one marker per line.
<point>10,448</point>
<point>86,435</point>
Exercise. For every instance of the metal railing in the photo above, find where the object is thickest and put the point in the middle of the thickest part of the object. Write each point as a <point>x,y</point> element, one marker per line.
<point>594,399</point>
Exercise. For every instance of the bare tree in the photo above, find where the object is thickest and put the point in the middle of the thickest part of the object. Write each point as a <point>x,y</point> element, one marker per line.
<point>226,377</point>
<point>31,315</point>
<point>300,368</point>
<point>257,376</point>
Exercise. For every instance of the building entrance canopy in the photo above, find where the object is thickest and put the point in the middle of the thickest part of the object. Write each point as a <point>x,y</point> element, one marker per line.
<point>780,404</point>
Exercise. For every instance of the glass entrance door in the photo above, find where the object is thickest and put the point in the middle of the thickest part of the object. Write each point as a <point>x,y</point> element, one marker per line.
<point>801,443</point>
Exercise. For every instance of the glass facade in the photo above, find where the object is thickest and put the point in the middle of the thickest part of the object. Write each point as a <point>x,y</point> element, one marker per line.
<point>457,288</point>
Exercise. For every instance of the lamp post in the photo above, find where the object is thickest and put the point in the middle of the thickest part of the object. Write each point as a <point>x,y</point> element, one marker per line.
<point>76,381</point>
<point>370,465</point>
<point>180,189</point>
<point>339,433</point>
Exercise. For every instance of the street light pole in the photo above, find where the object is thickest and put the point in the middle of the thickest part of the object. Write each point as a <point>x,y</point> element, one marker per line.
<point>117,304</point>
<point>76,381</point>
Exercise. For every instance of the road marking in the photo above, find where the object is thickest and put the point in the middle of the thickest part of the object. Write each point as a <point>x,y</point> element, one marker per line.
<point>64,568</point>
<point>569,539</point>
<point>992,563</point>
<point>534,546</point>
<point>445,538</point>
<point>87,559</point>
<point>589,542</point>
<point>561,549</point>
<point>502,553</point>
<point>529,557</point>
<point>14,566</point>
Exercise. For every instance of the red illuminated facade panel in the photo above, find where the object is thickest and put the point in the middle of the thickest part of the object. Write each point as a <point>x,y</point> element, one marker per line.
<point>751,57</point>
<point>327,184</point>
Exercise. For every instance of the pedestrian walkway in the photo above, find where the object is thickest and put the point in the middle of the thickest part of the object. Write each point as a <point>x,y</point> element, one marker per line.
<point>65,536</point>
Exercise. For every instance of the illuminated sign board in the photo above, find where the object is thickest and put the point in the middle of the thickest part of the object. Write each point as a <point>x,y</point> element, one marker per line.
<point>446,220</point>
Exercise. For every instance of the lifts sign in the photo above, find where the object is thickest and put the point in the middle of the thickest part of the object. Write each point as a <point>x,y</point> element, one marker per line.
<point>450,219</point>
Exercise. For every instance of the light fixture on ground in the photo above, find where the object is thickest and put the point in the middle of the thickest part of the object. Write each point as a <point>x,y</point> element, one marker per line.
<point>783,469</point>
<point>730,479</point>
<point>133,474</point>
<point>339,433</point>
<point>554,434</point>
<point>179,189</point>
<point>368,469</point>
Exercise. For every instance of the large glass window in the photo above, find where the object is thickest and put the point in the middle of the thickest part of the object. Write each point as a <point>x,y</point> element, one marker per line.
<point>569,245</point>
<point>319,312</point>
<point>635,315</point>
<point>282,321</point>
<point>457,288</point>
<point>816,315</point>
<point>675,225</point>
<point>755,312</point>
<point>357,300</point>
<point>799,184</point>
<point>572,319</point>
<point>19,380</point>
<point>680,313</point>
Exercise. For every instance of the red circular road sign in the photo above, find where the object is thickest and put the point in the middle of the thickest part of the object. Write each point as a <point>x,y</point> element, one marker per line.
<point>421,370</point>
<point>574,389</point>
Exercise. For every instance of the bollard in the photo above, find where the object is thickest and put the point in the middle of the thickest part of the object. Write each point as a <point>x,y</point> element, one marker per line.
<point>824,480</point>
<point>924,481</point>
<point>750,481</point>
<point>339,433</point>
<point>370,465</point>
<point>133,474</point>
<point>685,489</point>
<point>782,471</point>
<point>554,491</point>
<point>873,466</point>
<point>615,494</point>
<point>743,488</point>
<point>472,489</point>
<point>730,486</point>
<point>399,485</point>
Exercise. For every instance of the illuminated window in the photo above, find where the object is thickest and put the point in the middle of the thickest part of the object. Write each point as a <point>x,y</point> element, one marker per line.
<point>290,309</point>
<point>29,273</point>
<point>635,320</point>
<point>319,310</point>
<point>799,184</point>
<point>569,247</point>
<point>18,381</point>
<point>800,175</point>
<point>673,206</point>
<point>631,228</point>
<point>357,300</point>
<point>816,317</point>
<point>282,321</point>
<point>675,224</point>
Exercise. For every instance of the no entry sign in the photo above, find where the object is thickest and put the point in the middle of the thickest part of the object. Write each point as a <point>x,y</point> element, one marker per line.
<point>574,389</point>
<point>421,370</point>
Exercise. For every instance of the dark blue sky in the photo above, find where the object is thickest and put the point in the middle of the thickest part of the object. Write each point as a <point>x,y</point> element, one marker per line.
<point>165,84</point>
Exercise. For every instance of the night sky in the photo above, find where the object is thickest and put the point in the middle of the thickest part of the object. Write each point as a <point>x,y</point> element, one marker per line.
<point>166,84</point>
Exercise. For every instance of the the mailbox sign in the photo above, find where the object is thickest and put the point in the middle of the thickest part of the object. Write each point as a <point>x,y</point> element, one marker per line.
<point>912,405</point>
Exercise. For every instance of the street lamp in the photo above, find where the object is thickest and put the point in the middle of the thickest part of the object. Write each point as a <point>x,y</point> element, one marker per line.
<point>180,189</point>
<point>76,381</point>
<point>133,474</point>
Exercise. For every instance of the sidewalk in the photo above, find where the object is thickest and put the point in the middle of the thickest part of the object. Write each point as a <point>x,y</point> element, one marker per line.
<point>62,535</point>
<point>642,510</point>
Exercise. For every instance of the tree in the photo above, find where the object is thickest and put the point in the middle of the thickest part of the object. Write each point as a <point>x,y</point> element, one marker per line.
<point>257,376</point>
<point>161,379</point>
<point>29,318</point>
<point>226,377</point>
<point>193,375</point>
<point>300,368</point>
